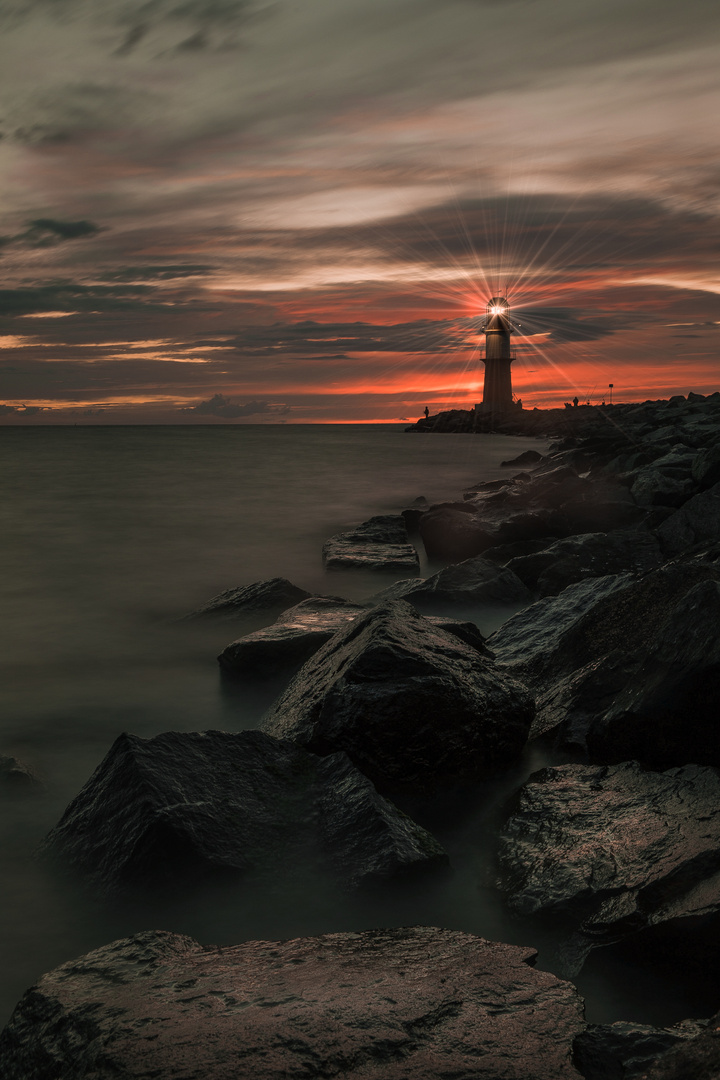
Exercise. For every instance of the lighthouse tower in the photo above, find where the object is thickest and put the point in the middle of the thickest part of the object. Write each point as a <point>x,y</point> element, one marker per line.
<point>497,389</point>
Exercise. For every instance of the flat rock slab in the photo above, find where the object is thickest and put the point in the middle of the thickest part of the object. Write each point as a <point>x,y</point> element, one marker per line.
<point>297,635</point>
<point>412,705</point>
<point>472,583</point>
<point>405,1004</point>
<point>291,640</point>
<point>187,805</point>
<point>611,850</point>
<point>381,543</point>
<point>262,598</point>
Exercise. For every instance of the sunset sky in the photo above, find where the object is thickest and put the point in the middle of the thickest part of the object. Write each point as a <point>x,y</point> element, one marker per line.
<point>273,211</point>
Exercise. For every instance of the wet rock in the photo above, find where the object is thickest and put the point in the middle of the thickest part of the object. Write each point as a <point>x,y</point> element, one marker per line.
<point>378,544</point>
<point>529,457</point>
<point>263,598</point>
<point>291,640</point>
<point>404,1004</point>
<point>696,521</point>
<point>456,534</point>
<point>706,467</point>
<point>411,705</point>
<point>16,775</point>
<point>694,1059</point>
<point>589,555</point>
<point>181,806</point>
<point>625,1051</point>
<point>578,651</point>
<point>667,711</point>
<point>610,850</point>
<point>472,583</point>
<point>654,488</point>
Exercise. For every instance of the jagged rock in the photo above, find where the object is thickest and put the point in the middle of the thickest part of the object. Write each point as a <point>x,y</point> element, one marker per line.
<point>266,598</point>
<point>411,705</point>
<point>404,1004</point>
<point>16,775</point>
<point>696,521</point>
<point>694,1059</point>
<point>456,534</point>
<point>654,488</point>
<point>589,555</point>
<point>578,651</point>
<point>607,851</point>
<point>529,457</point>
<point>667,711</point>
<point>291,640</point>
<point>625,1051</point>
<point>185,805</point>
<point>706,467</point>
<point>381,543</point>
<point>471,583</point>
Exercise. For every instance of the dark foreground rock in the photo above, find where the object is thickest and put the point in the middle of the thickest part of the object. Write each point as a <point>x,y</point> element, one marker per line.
<point>186,805</point>
<point>263,598</point>
<point>378,544</point>
<point>610,851</point>
<point>414,707</point>
<point>473,583</point>
<point>693,1059</point>
<point>291,640</point>
<point>406,1004</point>
<point>589,555</point>
<point>626,1051</point>
<point>626,657</point>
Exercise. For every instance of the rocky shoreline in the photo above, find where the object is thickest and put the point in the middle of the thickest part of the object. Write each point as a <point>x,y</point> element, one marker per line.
<point>607,549</point>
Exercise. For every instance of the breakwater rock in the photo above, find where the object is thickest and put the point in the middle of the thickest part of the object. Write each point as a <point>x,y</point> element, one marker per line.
<point>381,543</point>
<point>182,806</point>
<point>404,1004</point>
<point>412,705</point>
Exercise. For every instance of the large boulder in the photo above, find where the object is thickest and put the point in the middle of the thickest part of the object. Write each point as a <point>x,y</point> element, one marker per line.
<point>578,651</point>
<point>625,1050</point>
<point>404,1004</point>
<point>264,599</point>
<point>378,544</point>
<point>291,640</point>
<point>697,521</point>
<point>472,583</point>
<point>667,710</point>
<point>414,707</point>
<point>15,775</point>
<point>589,555</point>
<point>607,851</point>
<point>185,805</point>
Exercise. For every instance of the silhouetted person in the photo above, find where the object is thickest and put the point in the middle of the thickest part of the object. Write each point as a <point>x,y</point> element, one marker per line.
<point>427,412</point>
<point>576,402</point>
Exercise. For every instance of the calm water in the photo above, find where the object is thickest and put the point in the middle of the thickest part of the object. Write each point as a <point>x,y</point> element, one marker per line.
<point>108,535</point>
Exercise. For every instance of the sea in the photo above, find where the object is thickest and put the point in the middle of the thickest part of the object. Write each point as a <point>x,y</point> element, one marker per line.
<point>108,537</point>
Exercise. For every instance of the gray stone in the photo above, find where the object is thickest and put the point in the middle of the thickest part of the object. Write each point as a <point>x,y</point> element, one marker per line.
<point>706,467</point>
<point>694,1059</point>
<point>625,1051</point>
<point>589,555</point>
<point>529,457</point>
<point>414,707</point>
<point>263,598</point>
<point>654,488</point>
<point>381,543</point>
<point>698,520</point>
<point>404,1004</point>
<point>610,850</point>
<point>181,806</point>
<point>291,640</point>
<point>16,775</point>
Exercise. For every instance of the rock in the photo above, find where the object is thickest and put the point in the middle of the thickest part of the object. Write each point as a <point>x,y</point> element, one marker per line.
<point>16,775</point>
<point>404,1004</point>
<point>186,805</point>
<point>503,553</point>
<point>694,1059</point>
<point>706,467</point>
<point>472,583</point>
<point>413,707</point>
<point>266,598</point>
<point>291,640</point>
<point>589,555</point>
<point>607,851</point>
<point>529,457</point>
<point>667,711</point>
<point>455,534</point>
<point>625,1051</point>
<point>696,521</point>
<point>378,544</point>
<point>578,651</point>
<point>654,488</point>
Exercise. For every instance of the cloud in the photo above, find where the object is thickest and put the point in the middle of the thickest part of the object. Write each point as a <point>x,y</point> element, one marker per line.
<point>161,273</point>
<point>23,410</point>
<point>44,231</point>
<point>221,406</point>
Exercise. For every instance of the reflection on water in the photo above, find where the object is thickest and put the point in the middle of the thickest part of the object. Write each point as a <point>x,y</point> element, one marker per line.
<point>108,536</point>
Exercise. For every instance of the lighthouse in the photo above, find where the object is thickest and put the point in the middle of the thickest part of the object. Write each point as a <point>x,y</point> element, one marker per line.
<point>497,389</point>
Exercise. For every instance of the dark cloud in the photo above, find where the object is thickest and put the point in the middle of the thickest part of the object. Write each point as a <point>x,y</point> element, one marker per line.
<point>23,410</point>
<point>51,297</point>
<point>45,231</point>
<point>337,339</point>
<point>162,273</point>
<point>222,406</point>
